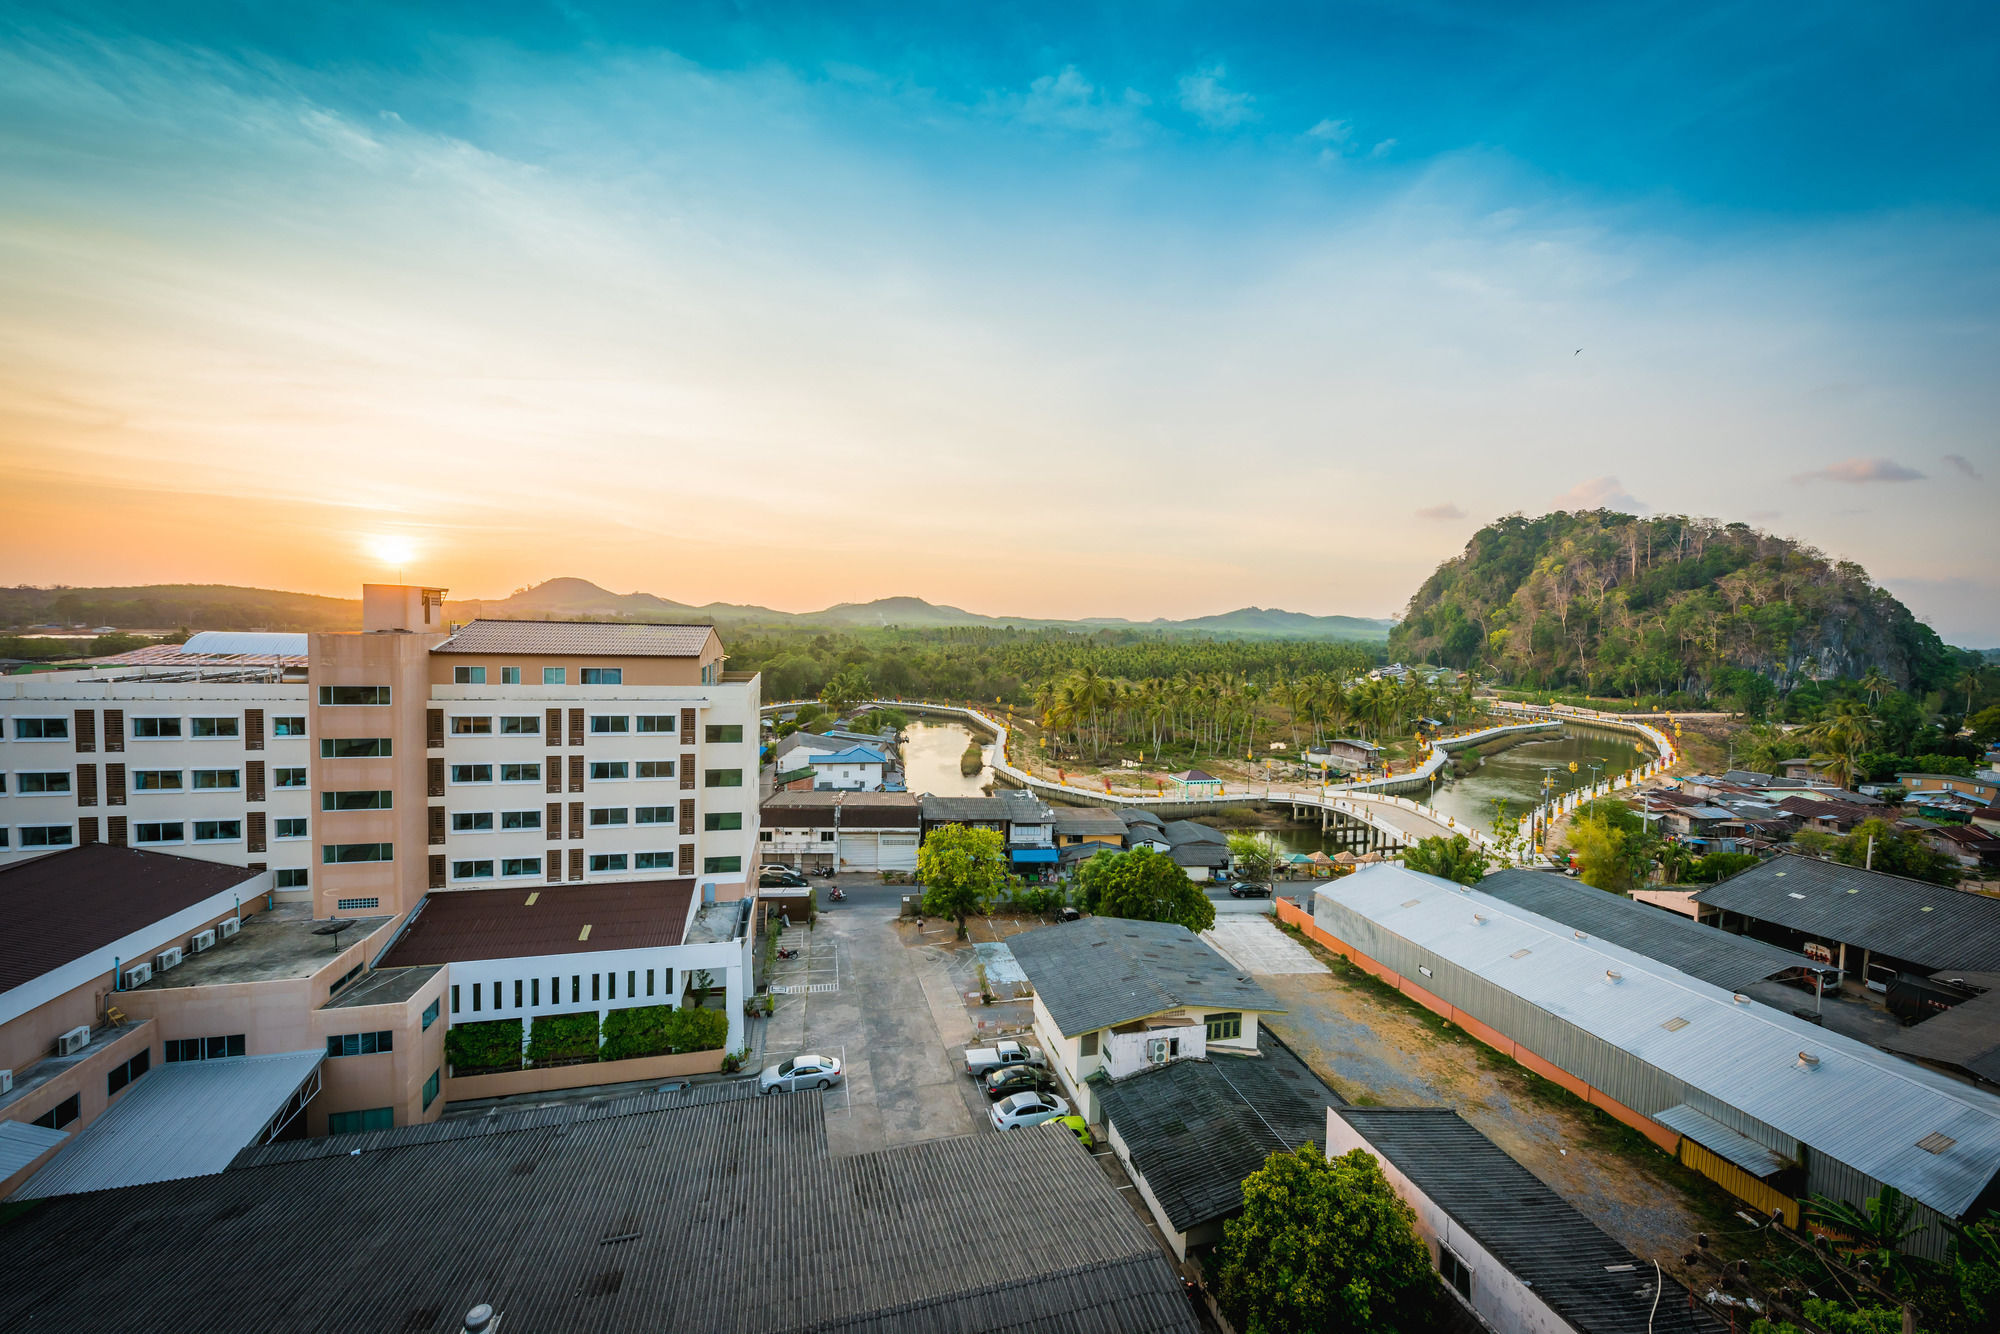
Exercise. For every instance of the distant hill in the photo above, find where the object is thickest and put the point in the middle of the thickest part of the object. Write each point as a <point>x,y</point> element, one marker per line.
<point>223,607</point>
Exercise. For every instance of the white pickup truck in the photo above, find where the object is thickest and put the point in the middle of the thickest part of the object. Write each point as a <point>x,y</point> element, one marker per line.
<point>979,1061</point>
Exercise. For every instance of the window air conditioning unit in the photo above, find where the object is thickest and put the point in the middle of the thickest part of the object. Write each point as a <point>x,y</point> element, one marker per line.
<point>138,975</point>
<point>229,926</point>
<point>168,958</point>
<point>1156,1050</point>
<point>74,1041</point>
<point>202,940</point>
<point>6,1082</point>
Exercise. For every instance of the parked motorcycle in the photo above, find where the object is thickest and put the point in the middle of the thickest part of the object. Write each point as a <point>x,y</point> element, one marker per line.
<point>788,954</point>
<point>837,894</point>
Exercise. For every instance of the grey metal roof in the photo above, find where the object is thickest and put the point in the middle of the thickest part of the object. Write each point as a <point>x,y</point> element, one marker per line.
<point>949,810</point>
<point>1187,831</point>
<point>1857,1105</point>
<point>1080,820</point>
<point>1139,815</point>
<point>1195,1129</point>
<point>233,643</point>
<point>22,1143</point>
<point>1729,961</point>
<point>1104,971</point>
<point>1928,925</point>
<point>1966,1036</point>
<point>1710,1133</point>
<point>1584,1275</point>
<point>182,1120</point>
<point>594,639</point>
<point>630,1215</point>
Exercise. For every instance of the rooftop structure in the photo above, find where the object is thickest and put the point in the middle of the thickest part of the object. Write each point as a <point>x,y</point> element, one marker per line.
<point>282,942</point>
<point>1928,925</point>
<point>1088,821</point>
<point>1106,971</point>
<point>527,922</point>
<point>595,639</point>
<point>1965,1038</point>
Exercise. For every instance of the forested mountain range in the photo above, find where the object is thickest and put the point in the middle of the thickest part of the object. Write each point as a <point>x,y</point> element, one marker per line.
<point>1621,604</point>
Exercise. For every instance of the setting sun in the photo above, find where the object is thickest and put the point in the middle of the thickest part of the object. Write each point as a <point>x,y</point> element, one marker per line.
<point>396,551</point>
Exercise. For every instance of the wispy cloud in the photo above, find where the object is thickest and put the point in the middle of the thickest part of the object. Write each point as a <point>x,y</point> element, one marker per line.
<point>1964,465</point>
<point>1214,105</point>
<point>1861,470</point>
<point>1446,511</point>
<point>1599,493</point>
<point>1066,100</point>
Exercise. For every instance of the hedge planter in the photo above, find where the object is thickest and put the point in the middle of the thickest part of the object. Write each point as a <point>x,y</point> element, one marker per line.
<point>484,1048</point>
<point>563,1039</point>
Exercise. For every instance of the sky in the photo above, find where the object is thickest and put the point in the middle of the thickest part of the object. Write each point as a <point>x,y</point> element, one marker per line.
<point>1054,310</point>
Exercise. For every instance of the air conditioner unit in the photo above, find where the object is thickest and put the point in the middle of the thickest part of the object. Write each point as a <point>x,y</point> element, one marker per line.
<point>168,958</point>
<point>6,1082</point>
<point>229,926</point>
<point>74,1041</point>
<point>138,975</point>
<point>1156,1050</point>
<point>202,940</point>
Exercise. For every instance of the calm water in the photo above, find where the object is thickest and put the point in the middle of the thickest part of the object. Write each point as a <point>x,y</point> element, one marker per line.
<point>930,761</point>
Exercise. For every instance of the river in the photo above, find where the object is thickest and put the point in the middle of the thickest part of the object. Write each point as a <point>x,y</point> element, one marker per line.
<point>930,761</point>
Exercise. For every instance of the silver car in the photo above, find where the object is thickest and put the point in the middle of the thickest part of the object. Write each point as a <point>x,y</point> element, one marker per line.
<point>810,1071</point>
<point>1027,1109</point>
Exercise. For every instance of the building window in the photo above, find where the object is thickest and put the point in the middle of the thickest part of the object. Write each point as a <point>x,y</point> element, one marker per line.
<point>521,773</point>
<point>291,827</point>
<point>763,836</point>
<point>40,784</point>
<point>156,780</point>
<point>431,1084</point>
<point>355,905</point>
<point>430,1015</point>
<point>603,676</point>
<point>521,726</point>
<point>472,822</point>
<point>723,733</point>
<point>211,729</point>
<point>520,819</point>
<point>352,1123</point>
<point>293,877</point>
<point>601,862</point>
<point>155,729</point>
<point>717,820</point>
<point>510,676</point>
<point>654,815</point>
<point>469,726</point>
<point>342,696</point>
<point>481,869</point>
<point>1225,1027</point>
<point>655,722</point>
<point>471,773</point>
<point>333,854</point>
<point>652,861</point>
<point>555,676</point>
<point>826,836</point>
<point>520,866</point>
<point>355,748</point>
<point>205,1049</point>
<point>62,1113</point>
<point>604,771</point>
<point>602,816</point>
<point>361,1044</point>
<point>656,769</point>
<point>218,831</point>
<point>47,729</point>
<point>1454,1272</point>
<point>454,999</point>
<point>575,989</point>
<point>1089,1047</point>
<point>157,831</point>
<point>290,777</point>
<point>723,778</point>
<point>721,865</point>
<point>608,724</point>
<point>288,726</point>
<point>468,676</point>
<point>218,780</point>
<point>375,799</point>
<point>125,1072</point>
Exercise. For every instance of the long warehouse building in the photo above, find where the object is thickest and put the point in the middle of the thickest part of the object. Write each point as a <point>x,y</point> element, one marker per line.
<point>1772,1107</point>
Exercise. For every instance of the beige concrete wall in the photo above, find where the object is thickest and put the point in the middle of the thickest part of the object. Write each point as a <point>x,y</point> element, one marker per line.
<point>582,1076</point>
<point>637,671</point>
<point>87,1080</point>
<point>393,1079</point>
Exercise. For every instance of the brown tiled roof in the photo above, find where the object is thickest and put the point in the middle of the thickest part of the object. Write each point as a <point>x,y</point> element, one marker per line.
<point>595,639</point>
<point>458,925</point>
<point>60,907</point>
<point>858,810</point>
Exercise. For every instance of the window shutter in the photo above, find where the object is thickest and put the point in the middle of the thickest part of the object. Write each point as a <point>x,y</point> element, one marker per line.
<point>576,773</point>
<point>576,863</point>
<point>687,772</point>
<point>253,729</point>
<point>255,829</point>
<point>687,859</point>
<point>687,815</point>
<point>576,727</point>
<point>434,729</point>
<point>687,727</point>
<point>437,870</point>
<point>253,780</point>
<point>555,867</point>
<point>86,829</point>
<point>553,773</point>
<point>553,825</point>
<point>552,725</point>
<point>114,785</point>
<point>436,768</point>
<point>114,830</point>
<point>114,730</point>
<point>86,785</point>
<point>437,826</point>
<point>576,821</point>
<point>86,731</point>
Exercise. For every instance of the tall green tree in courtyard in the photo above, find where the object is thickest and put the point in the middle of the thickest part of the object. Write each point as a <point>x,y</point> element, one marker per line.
<point>1612,847</point>
<point>1257,857</point>
<point>1145,886</point>
<point>1324,1246</point>
<point>1452,859</point>
<point>961,868</point>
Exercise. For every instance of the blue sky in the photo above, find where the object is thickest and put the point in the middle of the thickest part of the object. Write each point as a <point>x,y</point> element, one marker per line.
<point>1036,309</point>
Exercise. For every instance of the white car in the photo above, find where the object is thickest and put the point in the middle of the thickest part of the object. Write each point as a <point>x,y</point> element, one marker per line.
<point>810,1071</point>
<point>1027,1109</point>
<point>980,1061</point>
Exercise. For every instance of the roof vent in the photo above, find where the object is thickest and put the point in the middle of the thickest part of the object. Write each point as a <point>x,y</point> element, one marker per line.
<point>1740,998</point>
<point>1520,954</point>
<point>1808,1060</point>
<point>480,1320</point>
<point>1411,903</point>
<point>1675,1024</point>
<point>1613,975</point>
<point>1936,1142</point>
<point>1581,936</point>
<point>1479,918</point>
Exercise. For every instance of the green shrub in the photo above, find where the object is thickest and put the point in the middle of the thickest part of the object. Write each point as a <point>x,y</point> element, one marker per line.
<point>563,1037</point>
<point>492,1045</point>
<point>640,1031</point>
<point>697,1030</point>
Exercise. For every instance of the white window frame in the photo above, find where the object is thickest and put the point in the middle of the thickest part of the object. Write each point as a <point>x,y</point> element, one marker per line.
<point>59,720</point>
<point>533,721</point>
<point>608,718</point>
<point>194,832</point>
<point>616,675</point>
<point>280,725</point>
<point>506,828</point>
<point>510,676</point>
<point>194,780</point>
<point>555,676</point>
<point>68,780</point>
<point>672,727</point>
<point>670,813</point>
<point>139,839</point>
<point>623,777</point>
<point>21,832</point>
<point>624,859</point>
<point>456,816</point>
<point>456,781</point>
<point>624,814</point>
<point>654,853</point>
<point>458,873</point>
<point>536,766</point>
<point>132,732</point>
<point>234,734</point>
<point>469,718</point>
<point>638,777</point>
<point>534,865</point>
<point>278,834</point>
<point>468,676</point>
<point>303,771</point>
<point>180,782</point>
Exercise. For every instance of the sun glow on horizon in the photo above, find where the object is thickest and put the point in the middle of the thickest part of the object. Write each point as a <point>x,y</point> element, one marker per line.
<point>391,550</point>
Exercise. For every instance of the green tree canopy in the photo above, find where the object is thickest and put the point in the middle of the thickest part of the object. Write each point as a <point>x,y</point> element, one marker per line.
<point>1257,856</point>
<point>1324,1246</point>
<point>1146,886</point>
<point>1893,852</point>
<point>1612,847</point>
<point>1452,859</point>
<point>961,868</point>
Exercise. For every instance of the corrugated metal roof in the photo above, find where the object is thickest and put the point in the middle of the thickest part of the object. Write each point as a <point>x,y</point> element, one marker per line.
<point>594,639</point>
<point>183,1120</point>
<point>1929,925</point>
<point>1967,1036</point>
<point>246,643</point>
<point>1104,971</point>
<point>1710,1133</point>
<point>22,1143</point>
<point>1729,961</point>
<point>457,925</point>
<point>1857,1105</point>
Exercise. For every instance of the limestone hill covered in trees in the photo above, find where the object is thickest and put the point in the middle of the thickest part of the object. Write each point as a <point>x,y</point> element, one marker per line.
<point>1620,604</point>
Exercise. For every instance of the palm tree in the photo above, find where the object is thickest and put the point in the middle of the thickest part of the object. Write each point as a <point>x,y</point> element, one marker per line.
<point>1842,734</point>
<point>1874,682</point>
<point>1969,681</point>
<point>1876,1232</point>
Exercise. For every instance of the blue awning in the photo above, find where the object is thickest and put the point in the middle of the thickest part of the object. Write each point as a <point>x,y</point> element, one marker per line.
<point>1034,854</point>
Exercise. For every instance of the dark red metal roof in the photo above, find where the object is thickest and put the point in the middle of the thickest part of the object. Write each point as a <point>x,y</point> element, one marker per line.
<point>453,926</point>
